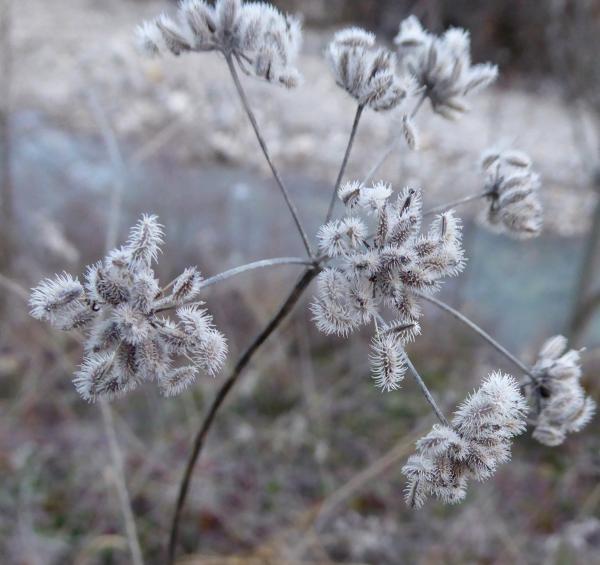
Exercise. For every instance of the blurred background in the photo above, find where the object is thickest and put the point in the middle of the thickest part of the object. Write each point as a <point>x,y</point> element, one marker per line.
<point>304,463</point>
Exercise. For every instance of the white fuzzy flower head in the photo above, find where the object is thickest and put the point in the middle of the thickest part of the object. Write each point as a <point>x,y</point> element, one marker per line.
<point>513,194</point>
<point>386,271</point>
<point>364,71</point>
<point>262,40</point>
<point>442,66</point>
<point>561,404</point>
<point>120,308</point>
<point>478,441</point>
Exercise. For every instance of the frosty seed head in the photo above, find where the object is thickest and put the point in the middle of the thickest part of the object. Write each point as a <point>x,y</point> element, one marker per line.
<point>387,270</point>
<point>561,403</point>
<point>262,40</point>
<point>364,71</point>
<point>119,307</point>
<point>512,189</point>
<point>442,66</point>
<point>478,441</point>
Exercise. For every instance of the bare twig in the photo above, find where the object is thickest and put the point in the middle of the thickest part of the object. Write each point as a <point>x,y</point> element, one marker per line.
<point>113,221</point>
<point>480,332</point>
<point>338,182</point>
<point>226,387</point>
<point>263,146</point>
<point>455,203</point>
<point>426,392</point>
<point>119,477</point>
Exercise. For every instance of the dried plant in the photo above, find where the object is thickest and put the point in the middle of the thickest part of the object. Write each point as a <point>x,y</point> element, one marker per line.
<point>128,339</point>
<point>366,72</point>
<point>377,264</point>
<point>263,41</point>
<point>388,270</point>
<point>442,66</point>
<point>472,448</point>
<point>512,189</point>
<point>560,401</point>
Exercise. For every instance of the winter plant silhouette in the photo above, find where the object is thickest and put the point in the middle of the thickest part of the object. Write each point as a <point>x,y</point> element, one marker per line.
<point>377,263</point>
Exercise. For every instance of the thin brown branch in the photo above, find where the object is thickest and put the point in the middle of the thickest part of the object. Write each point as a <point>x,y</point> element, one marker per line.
<point>290,204</point>
<point>222,394</point>
<point>340,176</point>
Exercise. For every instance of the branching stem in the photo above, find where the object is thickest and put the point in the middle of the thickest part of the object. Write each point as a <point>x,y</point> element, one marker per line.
<point>263,146</point>
<point>226,387</point>
<point>454,203</point>
<point>340,176</point>
<point>480,332</point>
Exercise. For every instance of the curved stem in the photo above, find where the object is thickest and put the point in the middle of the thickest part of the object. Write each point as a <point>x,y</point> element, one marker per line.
<point>263,146</point>
<point>264,263</point>
<point>226,387</point>
<point>454,203</point>
<point>480,332</point>
<point>426,392</point>
<point>340,176</point>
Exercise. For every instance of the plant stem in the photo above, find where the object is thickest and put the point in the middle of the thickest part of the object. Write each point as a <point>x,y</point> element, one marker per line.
<point>265,263</point>
<point>454,203</point>
<point>480,332</point>
<point>238,271</point>
<point>119,478</point>
<point>340,176</point>
<point>392,146</point>
<point>226,387</point>
<point>263,146</point>
<point>426,392</point>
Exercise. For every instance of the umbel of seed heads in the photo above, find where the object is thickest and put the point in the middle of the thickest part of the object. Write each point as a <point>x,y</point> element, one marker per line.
<point>263,41</point>
<point>472,448</point>
<point>120,307</point>
<point>367,72</point>
<point>442,66</point>
<point>559,400</point>
<point>512,188</point>
<point>386,270</point>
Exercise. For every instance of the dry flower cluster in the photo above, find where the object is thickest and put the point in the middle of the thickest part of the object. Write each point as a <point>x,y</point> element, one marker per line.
<point>263,40</point>
<point>366,72</point>
<point>512,188</point>
<point>119,306</point>
<point>472,448</point>
<point>560,401</point>
<point>386,270</point>
<point>442,66</point>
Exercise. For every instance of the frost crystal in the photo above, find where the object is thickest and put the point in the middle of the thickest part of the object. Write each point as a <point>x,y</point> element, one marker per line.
<point>386,269</point>
<point>513,192</point>
<point>366,72</point>
<point>263,41</point>
<point>120,307</point>
<point>442,66</point>
<point>478,441</point>
<point>561,404</point>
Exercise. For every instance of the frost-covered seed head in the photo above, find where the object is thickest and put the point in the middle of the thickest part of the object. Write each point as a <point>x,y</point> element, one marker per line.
<point>385,271</point>
<point>119,306</point>
<point>561,403</point>
<point>513,193</point>
<point>478,441</point>
<point>365,72</point>
<point>262,40</point>
<point>442,66</point>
